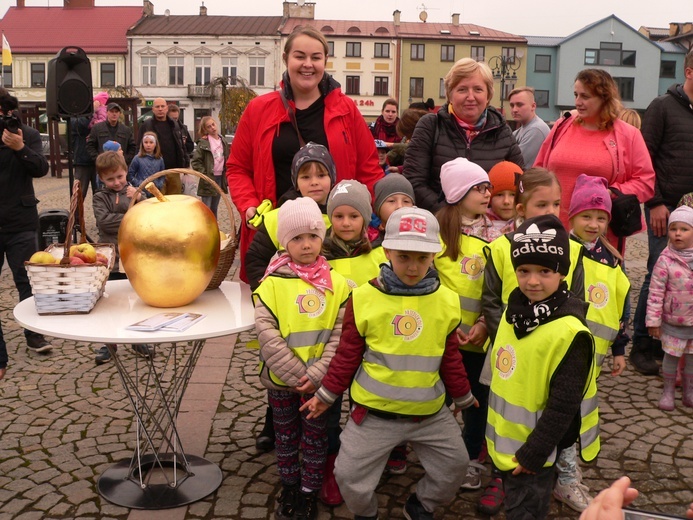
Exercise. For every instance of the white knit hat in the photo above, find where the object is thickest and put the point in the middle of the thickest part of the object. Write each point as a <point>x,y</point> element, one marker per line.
<point>299,216</point>
<point>682,214</point>
<point>459,176</point>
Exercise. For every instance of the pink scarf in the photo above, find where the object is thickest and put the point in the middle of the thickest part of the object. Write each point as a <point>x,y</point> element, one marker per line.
<point>316,274</point>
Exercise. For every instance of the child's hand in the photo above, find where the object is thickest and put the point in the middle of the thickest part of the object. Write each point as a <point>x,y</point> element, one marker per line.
<point>618,365</point>
<point>519,469</point>
<point>131,190</point>
<point>305,386</point>
<point>477,334</point>
<point>456,409</point>
<point>654,331</point>
<point>315,407</point>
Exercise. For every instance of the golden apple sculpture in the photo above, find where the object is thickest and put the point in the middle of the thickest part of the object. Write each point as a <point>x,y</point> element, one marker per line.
<point>169,248</point>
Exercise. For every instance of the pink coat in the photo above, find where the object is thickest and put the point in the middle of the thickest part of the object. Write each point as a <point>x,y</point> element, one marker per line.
<point>671,292</point>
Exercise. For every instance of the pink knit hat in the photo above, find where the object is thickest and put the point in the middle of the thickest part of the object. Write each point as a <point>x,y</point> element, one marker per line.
<point>459,176</point>
<point>299,216</point>
<point>590,193</point>
<point>101,97</point>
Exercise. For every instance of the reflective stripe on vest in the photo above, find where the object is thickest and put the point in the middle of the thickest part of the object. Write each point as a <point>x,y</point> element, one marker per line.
<point>522,370</point>
<point>606,290</point>
<point>405,342</point>
<point>465,276</point>
<point>271,222</point>
<point>360,269</point>
<point>305,316</point>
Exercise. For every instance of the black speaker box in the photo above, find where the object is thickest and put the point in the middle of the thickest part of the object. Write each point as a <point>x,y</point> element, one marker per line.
<point>68,85</point>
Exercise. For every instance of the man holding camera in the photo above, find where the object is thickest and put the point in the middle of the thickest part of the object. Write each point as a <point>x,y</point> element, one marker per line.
<point>21,159</point>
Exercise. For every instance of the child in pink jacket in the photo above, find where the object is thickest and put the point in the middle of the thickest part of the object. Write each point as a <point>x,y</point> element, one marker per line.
<point>669,309</point>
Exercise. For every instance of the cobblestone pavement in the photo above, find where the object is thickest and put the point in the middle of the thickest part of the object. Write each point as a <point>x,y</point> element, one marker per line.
<point>63,421</point>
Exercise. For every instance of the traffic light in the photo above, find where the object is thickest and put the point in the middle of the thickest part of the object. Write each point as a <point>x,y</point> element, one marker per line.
<point>68,87</point>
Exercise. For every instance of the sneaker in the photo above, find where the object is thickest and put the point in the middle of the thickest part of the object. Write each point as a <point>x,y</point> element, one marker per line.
<point>103,355</point>
<point>37,343</point>
<point>413,510</point>
<point>491,500</point>
<point>397,463</point>
<point>286,503</point>
<point>575,495</point>
<point>473,478</point>
<point>144,350</point>
<point>307,508</point>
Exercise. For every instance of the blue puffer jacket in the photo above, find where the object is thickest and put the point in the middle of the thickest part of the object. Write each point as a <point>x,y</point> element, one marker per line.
<point>144,166</point>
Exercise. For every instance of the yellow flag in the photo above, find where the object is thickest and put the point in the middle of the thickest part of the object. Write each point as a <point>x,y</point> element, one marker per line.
<point>6,52</point>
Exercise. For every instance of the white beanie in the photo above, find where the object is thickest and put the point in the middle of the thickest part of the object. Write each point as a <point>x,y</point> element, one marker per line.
<point>299,216</point>
<point>682,214</point>
<point>459,176</point>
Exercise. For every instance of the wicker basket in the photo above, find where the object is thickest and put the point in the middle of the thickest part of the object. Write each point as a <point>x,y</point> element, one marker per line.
<point>63,288</point>
<point>228,246</point>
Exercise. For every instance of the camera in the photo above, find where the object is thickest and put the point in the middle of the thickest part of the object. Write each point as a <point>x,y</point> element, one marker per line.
<point>11,122</point>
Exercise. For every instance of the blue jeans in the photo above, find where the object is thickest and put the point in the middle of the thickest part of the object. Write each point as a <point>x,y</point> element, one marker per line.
<point>17,247</point>
<point>212,202</point>
<point>655,247</point>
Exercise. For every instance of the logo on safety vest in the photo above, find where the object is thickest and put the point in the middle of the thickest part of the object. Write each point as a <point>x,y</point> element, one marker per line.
<point>351,283</point>
<point>312,303</point>
<point>598,295</point>
<point>408,325</point>
<point>506,361</point>
<point>472,267</point>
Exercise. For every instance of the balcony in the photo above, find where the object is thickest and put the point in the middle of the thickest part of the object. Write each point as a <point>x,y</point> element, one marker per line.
<point>204,91</point>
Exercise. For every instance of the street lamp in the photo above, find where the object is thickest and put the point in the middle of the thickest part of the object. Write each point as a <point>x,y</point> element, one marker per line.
<point>504,68</point>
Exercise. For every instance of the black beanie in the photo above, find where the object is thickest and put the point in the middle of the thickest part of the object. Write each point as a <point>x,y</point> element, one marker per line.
<point>541,241</point>
<point>313,152</point>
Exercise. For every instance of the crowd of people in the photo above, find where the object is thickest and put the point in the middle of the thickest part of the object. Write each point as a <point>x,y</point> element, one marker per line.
<point>431,264</point>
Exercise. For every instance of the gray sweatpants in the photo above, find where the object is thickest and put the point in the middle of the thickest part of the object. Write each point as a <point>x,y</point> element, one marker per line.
<point>365,450</point>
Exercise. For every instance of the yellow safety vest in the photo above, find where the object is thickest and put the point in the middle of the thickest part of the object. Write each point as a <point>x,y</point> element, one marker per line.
<point>606,290</point>
<point>306,316</point>
<point>499,249</point>
<point>359,269</point>
<point>271,222</point>
<point>405,341</point>
<point>522,370</point>
<point>465,276</point>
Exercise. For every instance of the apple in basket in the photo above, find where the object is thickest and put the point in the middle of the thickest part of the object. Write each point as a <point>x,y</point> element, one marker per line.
<point>169,248</point>
<point>84,252</point>
<point>42,257</point>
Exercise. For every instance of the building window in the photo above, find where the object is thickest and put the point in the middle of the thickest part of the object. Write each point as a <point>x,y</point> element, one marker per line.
<point>330,48</point>
<point>353,49</point>
<point>610,54</point>
<point>149,70</point>
<point>229,69</point>
<point>416,88</point>
<point>478,53</point>
<point>203,71</point>
<point>382,50</point>
<point>626,88</point>
<point>667,69</point>
<point>542,63</point>
<point>541,97</point>
<point>447,53</point>
<point>7,75</point>
<point>353,85</point>
<point>442,93</point>
<point>509,54</point>
<point>257,71</point>
<point>108,76</point>
<point>418,51</point>
<point>38,74</point>
<point>175,70</point>
<point>381,86</point>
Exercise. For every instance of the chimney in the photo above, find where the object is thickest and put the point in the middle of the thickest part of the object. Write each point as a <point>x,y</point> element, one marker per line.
<point>20,4</point>
<point>673,29</point>
<point>299,9</point>
<point>396,15</point>
<point>456,19</point>
<point>203,10</point>
<point>67,4</point>
<point>147,8</point>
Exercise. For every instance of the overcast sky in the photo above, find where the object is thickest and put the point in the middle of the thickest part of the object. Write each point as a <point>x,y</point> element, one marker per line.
<point>524,17</point>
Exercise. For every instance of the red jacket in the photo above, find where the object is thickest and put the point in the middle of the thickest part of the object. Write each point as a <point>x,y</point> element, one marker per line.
<point>250,168</point>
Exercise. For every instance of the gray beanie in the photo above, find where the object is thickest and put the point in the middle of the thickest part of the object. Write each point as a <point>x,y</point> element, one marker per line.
<point>298,216</point>
<point>313,152</point>
<point>392,184</point>
<point>353,194</point>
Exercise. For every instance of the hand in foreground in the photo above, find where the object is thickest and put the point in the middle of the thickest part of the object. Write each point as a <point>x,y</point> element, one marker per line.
<point>659,215</point>
<point>2,373</point>
<point>654,331</point>
<point>618,365</point>
<point>477,335</point>
<point>249,214</point>
<point>520,469</point>
<point>305,386</point>
<point>456,410</point>
<point>315,407</point>
<point>608,504</point>
<point>13,141</point>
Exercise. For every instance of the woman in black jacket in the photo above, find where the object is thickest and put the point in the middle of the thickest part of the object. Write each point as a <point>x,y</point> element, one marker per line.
<point>466,126</point>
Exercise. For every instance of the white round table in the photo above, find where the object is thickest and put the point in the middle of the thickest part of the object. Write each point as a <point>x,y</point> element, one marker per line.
<point>159,475</point>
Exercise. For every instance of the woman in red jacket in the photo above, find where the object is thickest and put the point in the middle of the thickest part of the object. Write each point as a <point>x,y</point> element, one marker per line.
<point>266,140</point>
